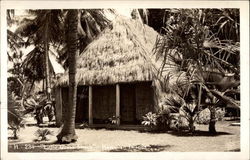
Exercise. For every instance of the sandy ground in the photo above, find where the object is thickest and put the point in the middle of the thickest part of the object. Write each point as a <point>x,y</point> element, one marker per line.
<point>227,139</point>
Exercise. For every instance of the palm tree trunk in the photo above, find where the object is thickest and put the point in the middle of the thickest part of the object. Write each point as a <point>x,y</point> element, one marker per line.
<point>47,73</point>
<point>68,134</point>
<point>212,120</point>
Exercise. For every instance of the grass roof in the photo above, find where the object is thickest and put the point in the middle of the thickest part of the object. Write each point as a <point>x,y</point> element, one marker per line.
<point>119,54</point>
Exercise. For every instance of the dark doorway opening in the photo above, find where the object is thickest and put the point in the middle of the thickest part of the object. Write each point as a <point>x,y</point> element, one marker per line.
<point>128,104</point>
<point>103,103</point>
<point>82,104</point>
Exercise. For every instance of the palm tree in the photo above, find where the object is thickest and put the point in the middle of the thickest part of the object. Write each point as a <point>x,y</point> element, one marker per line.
<point>67,133</point>
<point>81,26</point>
<point>43,29</point>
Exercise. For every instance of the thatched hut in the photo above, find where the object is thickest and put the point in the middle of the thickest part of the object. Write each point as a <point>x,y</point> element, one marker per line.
<point>114,76</point>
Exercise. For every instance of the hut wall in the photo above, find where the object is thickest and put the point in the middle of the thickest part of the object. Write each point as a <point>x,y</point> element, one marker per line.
<point>82,104</point>
<point>104,102</point>
<point>144,99</point>
<point>136,100</point>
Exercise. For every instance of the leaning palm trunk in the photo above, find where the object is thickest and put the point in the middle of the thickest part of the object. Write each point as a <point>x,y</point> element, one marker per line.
<point>68,134</point>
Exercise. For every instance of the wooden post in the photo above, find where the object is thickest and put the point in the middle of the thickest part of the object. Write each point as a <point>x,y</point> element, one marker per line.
<point>58,106</point>
<point>118,103</point>
<point>90,105</point>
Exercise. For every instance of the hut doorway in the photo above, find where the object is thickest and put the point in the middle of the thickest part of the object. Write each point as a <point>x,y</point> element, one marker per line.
<point>136,100</point>
<point>103,103</point>
<point>82,104</point>
<point>128,104</point>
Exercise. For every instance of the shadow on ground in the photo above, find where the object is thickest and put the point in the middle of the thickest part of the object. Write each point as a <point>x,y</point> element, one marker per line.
<point>141,148</point>
<point>187,134</point>
<point>198,133</point>
<point>43,147</point>
<point>42,125</point>
<point>234,150</point>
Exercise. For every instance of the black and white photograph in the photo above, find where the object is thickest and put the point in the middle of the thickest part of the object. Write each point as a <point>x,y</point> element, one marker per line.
<point>125,79</point>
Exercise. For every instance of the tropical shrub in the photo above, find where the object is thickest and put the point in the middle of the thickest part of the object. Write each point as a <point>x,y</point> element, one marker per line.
<point>15,122</point>
<point>189,112</point>
<point>203,117</point>
<point>150,119</point>
<point>220,114</point>
<point>185,124</point>
<point>113,119</point>
<point>166,120</point>
<point>15,115</point>
<point>179,122</point>
<point>42,134</point>
<point>84,124</point>
<point>163,120</point>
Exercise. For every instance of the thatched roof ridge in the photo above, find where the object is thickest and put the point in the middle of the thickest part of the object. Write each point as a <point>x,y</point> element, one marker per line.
<point>117,55</point>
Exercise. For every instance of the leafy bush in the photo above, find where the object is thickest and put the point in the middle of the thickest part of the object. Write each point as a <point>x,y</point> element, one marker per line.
<point>178,122</point>
<point>15,122</point>
<point>15,115</point>
<point>220,114</point>
<point>113,119</point>
<point>185,124</point>
<point>203,117</point>
<point>165,119</point>
<point>188,112</point>
<point>184,120</point>
<point>42,134</point>
<point>84,124</point>
<point>173,122</point>
<point>161,121</point>
<point>150,119</point>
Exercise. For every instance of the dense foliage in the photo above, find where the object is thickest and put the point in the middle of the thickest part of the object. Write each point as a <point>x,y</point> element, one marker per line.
<point>201,48</point>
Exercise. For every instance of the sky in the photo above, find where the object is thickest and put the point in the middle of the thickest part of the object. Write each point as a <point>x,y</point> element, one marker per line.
<point>121,11</point>
<point>124,12</point>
